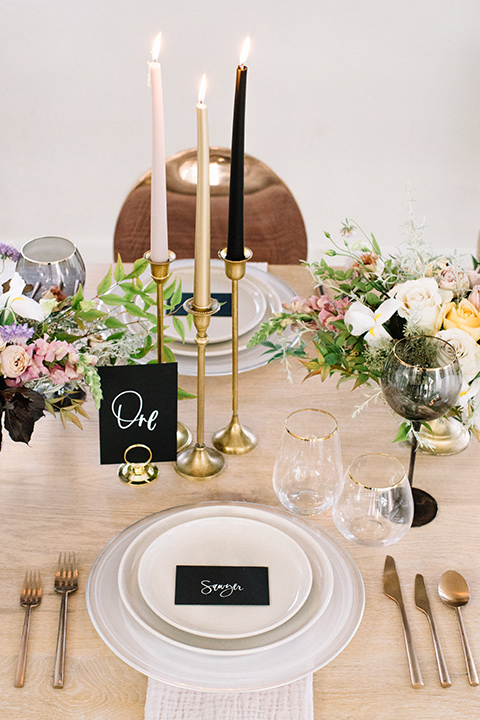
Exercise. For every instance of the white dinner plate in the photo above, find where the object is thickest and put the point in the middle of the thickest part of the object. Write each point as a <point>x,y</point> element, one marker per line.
<point>251,302</point>
<point>179,666</point>
<point>315,604</point>
<point>232,542</point>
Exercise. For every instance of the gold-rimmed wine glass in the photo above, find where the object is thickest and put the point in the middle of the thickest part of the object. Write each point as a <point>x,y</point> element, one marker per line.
<point>421,381</point>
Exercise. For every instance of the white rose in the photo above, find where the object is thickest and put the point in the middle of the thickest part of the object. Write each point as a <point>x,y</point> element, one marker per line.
<point>467,350</point>
<point>422,302</point>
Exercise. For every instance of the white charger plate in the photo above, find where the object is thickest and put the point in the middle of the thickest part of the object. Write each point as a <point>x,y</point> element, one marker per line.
<point>315,604</point>
<point>161,660</point>
<point>251,302</point>
<point>225,541</point>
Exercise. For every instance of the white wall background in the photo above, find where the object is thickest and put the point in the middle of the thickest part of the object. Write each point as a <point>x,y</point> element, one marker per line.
<point>348,101</point>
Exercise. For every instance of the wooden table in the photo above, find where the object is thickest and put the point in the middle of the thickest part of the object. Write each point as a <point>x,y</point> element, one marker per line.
<point>54,495</point>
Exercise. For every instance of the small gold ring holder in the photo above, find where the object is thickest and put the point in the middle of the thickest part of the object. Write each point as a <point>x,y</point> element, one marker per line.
<point>235,439</point>
<point>160,272</point>
<point>137,473</point>
<point>200,462</point>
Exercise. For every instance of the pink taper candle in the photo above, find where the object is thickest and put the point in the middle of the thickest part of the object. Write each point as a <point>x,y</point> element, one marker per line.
<point>158,223</point>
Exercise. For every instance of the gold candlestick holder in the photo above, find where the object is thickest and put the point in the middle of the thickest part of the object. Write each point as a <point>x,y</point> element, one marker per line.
<point>235,439</point>
<point>200,462</point>
<point>160,272</point>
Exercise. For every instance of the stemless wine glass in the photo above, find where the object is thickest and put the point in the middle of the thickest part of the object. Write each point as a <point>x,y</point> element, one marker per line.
<point>421,381</point>
<point>375,506</point>
<point>308,468</point>
<point>51,261</point>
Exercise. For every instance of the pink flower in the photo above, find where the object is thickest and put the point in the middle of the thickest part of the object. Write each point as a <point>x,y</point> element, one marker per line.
<point>474,277</point>
<point>56,359</point>
<point>474,297</point>
<point>297,305</point>
<point>454,279</point>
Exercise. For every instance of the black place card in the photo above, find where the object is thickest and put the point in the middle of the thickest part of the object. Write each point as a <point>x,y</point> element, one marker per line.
<point>221,585</point>
<point>139,406</point>
<point>225,300</point>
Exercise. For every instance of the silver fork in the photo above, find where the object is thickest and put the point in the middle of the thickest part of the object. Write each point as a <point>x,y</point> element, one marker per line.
<point>30,597</point>
<point>66,582</point>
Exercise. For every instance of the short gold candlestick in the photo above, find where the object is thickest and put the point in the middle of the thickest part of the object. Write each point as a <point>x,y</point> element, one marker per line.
<point>235,439</point>
<point>160,272</point>
<point>200,462</point>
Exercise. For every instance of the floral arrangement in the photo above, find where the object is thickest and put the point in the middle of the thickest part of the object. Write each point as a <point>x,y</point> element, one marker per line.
<point>50,349</point>
<point>368,301</point>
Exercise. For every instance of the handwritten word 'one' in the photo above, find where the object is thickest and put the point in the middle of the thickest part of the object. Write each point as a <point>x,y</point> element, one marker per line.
<point>125,422</point>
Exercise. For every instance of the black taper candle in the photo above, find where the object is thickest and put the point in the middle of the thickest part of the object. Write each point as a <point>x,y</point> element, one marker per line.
<point>235,241</point>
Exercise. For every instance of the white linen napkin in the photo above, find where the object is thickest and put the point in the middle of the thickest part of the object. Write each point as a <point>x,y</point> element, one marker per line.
<point>166,702</point>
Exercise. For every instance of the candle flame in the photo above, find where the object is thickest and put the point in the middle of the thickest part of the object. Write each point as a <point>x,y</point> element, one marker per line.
<point>201,92</point>
<point>156,47</point>
<point>245,50</point>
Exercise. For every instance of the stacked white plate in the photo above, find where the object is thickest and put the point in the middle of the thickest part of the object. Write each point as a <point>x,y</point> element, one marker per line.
<point>260,294</point>
<point>316,598</point>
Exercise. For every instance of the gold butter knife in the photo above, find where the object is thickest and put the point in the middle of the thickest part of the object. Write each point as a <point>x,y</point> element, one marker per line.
<point>422,602</point>
<point>391,588</point>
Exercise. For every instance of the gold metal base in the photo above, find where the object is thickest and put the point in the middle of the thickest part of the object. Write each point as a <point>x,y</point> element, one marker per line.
<point>234,439</point>
<point>199,463</point>
<point>184,437</point>
<point>137,473</point>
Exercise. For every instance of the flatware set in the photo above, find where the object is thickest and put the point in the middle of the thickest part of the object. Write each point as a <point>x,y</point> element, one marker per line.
<point>454,591</point>
<point>66,582</point>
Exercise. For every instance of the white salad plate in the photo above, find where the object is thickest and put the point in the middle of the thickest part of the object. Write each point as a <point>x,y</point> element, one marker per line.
<point>252,303</point>
<point>233,542</point>
<point>315,604</point>
<point>269,667</point>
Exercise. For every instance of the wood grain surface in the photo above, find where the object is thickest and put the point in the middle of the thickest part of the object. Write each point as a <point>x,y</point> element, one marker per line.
<point>54,495</point>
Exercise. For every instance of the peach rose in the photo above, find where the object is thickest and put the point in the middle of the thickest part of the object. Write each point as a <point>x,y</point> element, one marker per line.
<point>13,361</point>
<point>464,316</point>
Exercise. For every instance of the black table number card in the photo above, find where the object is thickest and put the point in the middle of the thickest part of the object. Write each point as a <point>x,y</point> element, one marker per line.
<point>219,585</point>
<point>139,406</point>
<point>225,300</point>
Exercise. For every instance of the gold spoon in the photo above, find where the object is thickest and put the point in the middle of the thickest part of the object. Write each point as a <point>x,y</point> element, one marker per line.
<point>454,591</point>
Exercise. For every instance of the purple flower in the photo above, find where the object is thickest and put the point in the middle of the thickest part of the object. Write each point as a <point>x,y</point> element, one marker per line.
<point>16,333</point>
<point>8,251</point>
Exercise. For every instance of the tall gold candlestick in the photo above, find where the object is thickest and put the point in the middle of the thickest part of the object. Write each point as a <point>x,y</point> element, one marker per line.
<point>235,439</point>
<point>200,462</point>
<point>160,272</point>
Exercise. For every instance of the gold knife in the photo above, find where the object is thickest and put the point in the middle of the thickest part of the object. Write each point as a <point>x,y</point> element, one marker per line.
<point>422,602</point>
<point>391,588</point>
